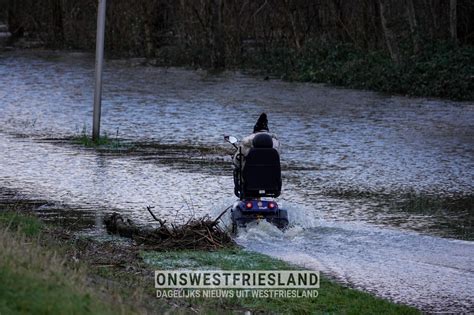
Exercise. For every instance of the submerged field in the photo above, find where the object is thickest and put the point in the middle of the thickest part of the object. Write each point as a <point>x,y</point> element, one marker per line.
<point>379,187</point>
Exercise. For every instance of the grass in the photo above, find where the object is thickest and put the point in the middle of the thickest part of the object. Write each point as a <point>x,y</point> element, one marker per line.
<point>454,215</point>
<point>104,141</point>
<point>449,216</point>
<point>333,298</point>
<point>428,204</point>
<point>36,280</point>
<point>22,223</point>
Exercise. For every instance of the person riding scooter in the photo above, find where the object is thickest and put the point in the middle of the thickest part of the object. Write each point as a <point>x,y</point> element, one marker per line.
<point>247,143</point>
<point>257,178</point>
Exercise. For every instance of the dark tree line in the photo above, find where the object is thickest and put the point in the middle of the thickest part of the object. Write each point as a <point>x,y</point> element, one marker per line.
<point>223,32</point>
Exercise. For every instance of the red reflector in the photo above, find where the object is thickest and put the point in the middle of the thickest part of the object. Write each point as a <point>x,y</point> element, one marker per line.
<point>248,205</point>
<point>271,205</point>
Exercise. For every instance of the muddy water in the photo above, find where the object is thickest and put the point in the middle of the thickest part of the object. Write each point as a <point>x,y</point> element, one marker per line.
<point>372,181</point>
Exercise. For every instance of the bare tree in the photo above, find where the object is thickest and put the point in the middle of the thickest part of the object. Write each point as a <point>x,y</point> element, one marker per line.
<point>453,21</point>
<point>216,34</point>
<point>222,32</point>
<point>15,19</point>
<point>57,22</point>
<point>390,39</point>
<point>413,26</point>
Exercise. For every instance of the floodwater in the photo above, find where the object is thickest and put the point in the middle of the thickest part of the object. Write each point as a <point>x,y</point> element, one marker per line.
<point>379,188</point>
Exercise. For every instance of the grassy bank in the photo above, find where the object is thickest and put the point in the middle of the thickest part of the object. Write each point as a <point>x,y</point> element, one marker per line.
<point>441,70</point>
<point>36,280</point>
<point>46,270</point>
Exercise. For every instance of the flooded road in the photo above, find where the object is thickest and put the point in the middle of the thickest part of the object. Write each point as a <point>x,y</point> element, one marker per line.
<point>380,187</point>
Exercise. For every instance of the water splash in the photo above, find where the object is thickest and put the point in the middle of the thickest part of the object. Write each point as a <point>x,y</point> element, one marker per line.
<point>409,268</point>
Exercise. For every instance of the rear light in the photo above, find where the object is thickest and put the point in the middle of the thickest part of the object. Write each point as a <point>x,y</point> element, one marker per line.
<point>248,205</point>
<point>271,205</point>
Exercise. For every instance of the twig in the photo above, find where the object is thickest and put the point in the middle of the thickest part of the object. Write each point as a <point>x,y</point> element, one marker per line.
<point>203,233</point>
<point>220,216</point>
<point>154,217</point>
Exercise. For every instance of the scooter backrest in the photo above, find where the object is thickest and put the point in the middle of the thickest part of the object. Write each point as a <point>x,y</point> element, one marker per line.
<point>262,173</point>
<point>262,140</point>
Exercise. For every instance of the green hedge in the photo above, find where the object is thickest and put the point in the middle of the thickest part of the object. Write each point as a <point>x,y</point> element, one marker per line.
<point>440,71</point>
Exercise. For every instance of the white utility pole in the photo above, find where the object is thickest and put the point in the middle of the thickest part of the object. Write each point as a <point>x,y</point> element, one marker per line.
<point>99,65</point>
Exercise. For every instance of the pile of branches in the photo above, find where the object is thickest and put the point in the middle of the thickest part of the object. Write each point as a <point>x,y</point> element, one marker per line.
<point>197,233</point>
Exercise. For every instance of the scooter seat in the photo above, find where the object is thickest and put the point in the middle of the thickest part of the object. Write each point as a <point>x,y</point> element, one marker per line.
<point>262,173</point>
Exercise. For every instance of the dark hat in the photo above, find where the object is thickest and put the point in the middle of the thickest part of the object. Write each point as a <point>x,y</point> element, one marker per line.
<point>262,123</point>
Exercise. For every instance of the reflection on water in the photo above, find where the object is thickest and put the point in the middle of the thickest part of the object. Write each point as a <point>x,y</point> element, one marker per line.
<point>353,162</point>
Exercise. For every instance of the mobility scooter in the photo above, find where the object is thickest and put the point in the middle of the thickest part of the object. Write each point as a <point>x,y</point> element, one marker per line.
<point>257,181</point>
